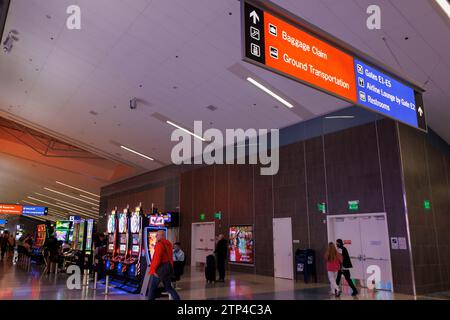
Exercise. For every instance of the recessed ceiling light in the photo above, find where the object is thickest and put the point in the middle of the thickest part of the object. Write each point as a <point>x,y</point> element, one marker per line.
<point>83,196</point>
<point>138,153</point>
<point>69,196</point>
<point>339,117</point>
<point>185,130</point>
<point>69,186</point>
<point>445,6</point>
<point>269,92</point>
<point>64,202</point>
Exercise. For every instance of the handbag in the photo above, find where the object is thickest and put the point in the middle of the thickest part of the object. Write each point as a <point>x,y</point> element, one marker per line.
<point>165,270</point>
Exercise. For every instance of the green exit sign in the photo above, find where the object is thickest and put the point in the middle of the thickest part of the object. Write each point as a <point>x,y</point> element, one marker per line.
<point>202,217</point>
<point>353,205</point>
<point>426,204</point>
<point>218,215</point>
<point>322,207</point>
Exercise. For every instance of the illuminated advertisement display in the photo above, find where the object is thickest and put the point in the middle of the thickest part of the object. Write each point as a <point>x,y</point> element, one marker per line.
<point>288,46</point>
<point>241,244</point>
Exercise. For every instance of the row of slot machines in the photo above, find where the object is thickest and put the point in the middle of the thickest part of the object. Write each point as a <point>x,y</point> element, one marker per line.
<point>77,233</point>
<point>132,239</point>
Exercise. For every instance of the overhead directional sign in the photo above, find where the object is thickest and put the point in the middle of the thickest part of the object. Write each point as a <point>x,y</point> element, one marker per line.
<point>276,42</point>
<point>34,211</point>
<point>10,209</point>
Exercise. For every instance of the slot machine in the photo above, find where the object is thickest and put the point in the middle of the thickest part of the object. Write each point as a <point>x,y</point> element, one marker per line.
<point>112,241</point>
<point>156,223</point>
<point>133,263</point>
<point>123,239</point>
<point>62,230</point>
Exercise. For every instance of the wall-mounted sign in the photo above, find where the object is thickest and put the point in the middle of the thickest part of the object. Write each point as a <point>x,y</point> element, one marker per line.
<point>34,211</point>
<point>10,209</point>
<point>74,218</point>
<point>293,48</point>
<point>202,217</point>
<point>353,205</point>
<point>3,222</point>
<point>426,204</point>
<point>218,215</point>
<point>402,243</point>
<point>321,207</point>
<point>394,243</point>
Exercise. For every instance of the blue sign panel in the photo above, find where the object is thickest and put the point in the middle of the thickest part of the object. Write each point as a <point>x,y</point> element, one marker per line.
<point>34,211</point>
<point>383,94</point>
<point>3,221</point>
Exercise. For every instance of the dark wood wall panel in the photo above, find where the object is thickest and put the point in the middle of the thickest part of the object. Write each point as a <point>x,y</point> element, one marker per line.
<point>315,175</point>
<point>440,209</point>
<point>352,169</point>
<point>186,212</point>
<point>290,191</point>
<point>221,198</point>
<point>203,193</point>
<point>263,224</point>
<point>394,206</point>
<point>421,222</point>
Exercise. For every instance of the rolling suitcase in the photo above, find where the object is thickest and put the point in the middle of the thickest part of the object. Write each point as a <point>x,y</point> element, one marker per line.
<point>210,269</point>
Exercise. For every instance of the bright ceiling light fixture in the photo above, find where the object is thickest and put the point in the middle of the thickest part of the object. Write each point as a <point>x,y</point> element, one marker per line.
<point>85,213</point>
<point>185,130</point>
<point>97,201</point>
<point>75,188</point>
<point>270,92</point>
<point>65,202</point>
<point>29,202</point>
<point>339,117</point>
<point>445,6</point>
<point>138,153</point>
<point>51,204</point>
<point>69,196</point>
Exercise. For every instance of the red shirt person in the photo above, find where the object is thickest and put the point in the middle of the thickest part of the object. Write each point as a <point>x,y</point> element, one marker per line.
<point>163,254</point>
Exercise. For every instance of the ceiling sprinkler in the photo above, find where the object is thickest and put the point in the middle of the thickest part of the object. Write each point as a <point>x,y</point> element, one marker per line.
<point>133,103</point>
<point>9,41</point>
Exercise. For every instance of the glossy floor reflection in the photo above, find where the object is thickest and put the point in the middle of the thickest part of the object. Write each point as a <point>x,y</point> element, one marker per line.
<point>17,284</point>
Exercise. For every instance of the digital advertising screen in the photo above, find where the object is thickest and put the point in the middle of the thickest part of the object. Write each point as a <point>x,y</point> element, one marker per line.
<point>241,244</point>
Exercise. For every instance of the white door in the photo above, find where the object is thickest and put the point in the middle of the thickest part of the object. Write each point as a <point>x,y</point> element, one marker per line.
<point>203,242</point>
<point>367,240</point>
<point>375,251</point>
<point>347,229</point>
<point>282,248</point>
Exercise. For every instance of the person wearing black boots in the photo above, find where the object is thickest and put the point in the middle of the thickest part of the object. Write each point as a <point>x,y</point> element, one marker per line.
<point>346,266</point>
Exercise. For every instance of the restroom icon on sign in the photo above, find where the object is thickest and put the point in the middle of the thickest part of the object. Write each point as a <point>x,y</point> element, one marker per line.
<point>362,96</point>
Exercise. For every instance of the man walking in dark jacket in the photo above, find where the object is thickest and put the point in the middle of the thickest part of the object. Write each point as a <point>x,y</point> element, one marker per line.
<point>346,266</point>
<point>221,253</point>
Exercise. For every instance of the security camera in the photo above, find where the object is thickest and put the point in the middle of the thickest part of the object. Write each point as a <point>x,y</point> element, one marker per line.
<point>133,103</point>
<point>8,44</point>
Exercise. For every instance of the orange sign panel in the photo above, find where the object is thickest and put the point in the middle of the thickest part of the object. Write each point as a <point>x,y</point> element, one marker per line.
<point>10,209</point>
<point>303,56</point>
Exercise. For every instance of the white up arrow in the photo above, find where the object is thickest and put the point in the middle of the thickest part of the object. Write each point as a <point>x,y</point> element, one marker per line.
<point>255,16</point>
<point>420,111</point>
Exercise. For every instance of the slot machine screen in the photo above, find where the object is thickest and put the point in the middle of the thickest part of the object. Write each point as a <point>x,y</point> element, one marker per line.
<point>81,238</point>
<point>61,235</point>
<point>135,249</point>
<point>123,238</point>
<point>90,226</point>
<point>111,247</point>
<point>135,239</point>
<point>122,248</point>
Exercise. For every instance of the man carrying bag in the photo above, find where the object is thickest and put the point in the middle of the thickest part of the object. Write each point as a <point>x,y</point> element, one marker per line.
<point>161,267</point>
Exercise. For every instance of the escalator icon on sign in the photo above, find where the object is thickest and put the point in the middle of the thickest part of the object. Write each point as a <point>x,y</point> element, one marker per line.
<point>255,50</point>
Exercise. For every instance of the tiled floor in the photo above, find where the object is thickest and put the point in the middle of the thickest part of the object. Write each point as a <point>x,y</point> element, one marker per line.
<point>17,284</point>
